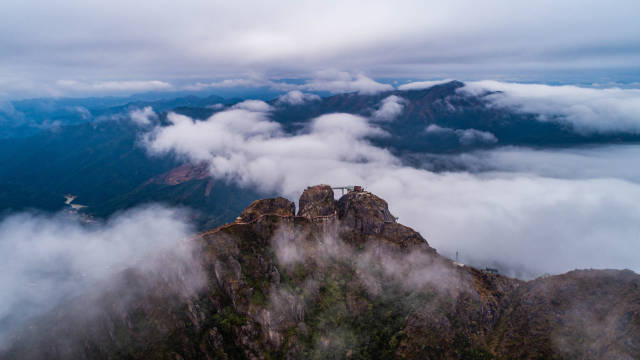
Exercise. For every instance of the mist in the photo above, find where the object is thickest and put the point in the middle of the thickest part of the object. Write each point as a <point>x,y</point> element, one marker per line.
<point>48,259</point>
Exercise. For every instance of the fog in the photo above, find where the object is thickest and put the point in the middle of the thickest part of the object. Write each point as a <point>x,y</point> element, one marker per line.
<point>46,259</point>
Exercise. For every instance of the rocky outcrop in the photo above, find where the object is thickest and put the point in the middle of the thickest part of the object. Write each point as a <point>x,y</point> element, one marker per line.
<point>182,174</point>
<point>317,201</point>
<point>276,206</point>
<point>366,217</point>
<point>345,280</point>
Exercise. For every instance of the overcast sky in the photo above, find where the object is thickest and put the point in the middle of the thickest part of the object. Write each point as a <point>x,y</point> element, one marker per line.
<point>73,47</point>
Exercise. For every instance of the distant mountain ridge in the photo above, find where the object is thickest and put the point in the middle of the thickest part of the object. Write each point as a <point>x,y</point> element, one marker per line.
<point>102,162</point>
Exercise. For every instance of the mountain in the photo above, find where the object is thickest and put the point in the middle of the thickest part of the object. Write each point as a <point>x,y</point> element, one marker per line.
<point>100,160</point>
<point>454,112</point>
<point>30,117</point>
<point>103,165</point>
<point>339,279</point>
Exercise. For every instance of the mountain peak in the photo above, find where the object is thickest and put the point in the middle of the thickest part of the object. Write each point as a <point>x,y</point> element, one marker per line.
<point>317,201</point>
<point>282,286</point>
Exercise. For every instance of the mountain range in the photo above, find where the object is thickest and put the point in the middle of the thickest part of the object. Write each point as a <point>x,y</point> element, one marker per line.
<point>96,154</point>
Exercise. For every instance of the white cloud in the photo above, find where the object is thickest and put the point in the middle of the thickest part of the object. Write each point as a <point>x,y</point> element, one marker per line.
<point>473,136</point>
<point>45,259</point>
<point>215,106</point>
<point>227,83</point>
<point>601,162</point>
<point>465,136</point>
<point>143,116</point>
<point>332,81</point>
<point>419,85</point>
<point>113,86</point>
<point>253,105</point>
<point>390,108</point>
<point>519,219</point>
<point>343,82</point>
<point>297,97</point>
<point>588,109</point>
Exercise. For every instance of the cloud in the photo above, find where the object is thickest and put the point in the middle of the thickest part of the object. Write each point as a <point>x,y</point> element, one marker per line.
<point>248,147</point>
<point>465,136</point>
<point>297,97</point>
<point>587,109</point>
<point>520,219</point>
<point>46,259</point>
<point>332,81</point>
<point>343,82</point>
<point>114,86</point>
<point>389,109</point>
<point>412,38</point>
<point>143,116</point>
<point>253,106</point>
<point>228,83</point>
<point>601,162</point>
<point>419,85</point>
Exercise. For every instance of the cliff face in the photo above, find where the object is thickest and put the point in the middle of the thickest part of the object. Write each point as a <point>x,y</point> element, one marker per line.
<point>343,279</point>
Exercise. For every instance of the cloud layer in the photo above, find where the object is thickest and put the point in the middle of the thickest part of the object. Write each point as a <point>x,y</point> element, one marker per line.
<point>96,43</point>
<point>587,109</point>
<point>45,259</point>
<point>515,218</point>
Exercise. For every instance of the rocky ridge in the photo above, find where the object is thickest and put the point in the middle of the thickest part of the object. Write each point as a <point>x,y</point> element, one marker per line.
<point>343,279</point>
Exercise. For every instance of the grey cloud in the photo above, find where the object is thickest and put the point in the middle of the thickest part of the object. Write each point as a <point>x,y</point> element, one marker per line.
<point>96,43</point>
<point>113,86</point>
<point>332,81</point>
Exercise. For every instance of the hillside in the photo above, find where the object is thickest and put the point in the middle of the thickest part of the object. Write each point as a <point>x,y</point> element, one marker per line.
<point>339,279</point>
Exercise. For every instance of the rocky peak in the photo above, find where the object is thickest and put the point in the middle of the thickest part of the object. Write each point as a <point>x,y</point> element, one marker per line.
<point>317,201</point>
<point>275,206</point>
<point>366,217</point>
<point>364,206</point>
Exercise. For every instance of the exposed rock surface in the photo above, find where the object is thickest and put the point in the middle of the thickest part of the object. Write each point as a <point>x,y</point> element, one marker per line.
<point>276,206</point>
<point>182,174</point>
<point>317,201</point>
<point>344,280</point>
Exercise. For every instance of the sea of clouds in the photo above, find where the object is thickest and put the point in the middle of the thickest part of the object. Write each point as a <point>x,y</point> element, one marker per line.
<point>545,211</point>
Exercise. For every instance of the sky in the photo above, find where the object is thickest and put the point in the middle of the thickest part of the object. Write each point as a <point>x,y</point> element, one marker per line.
<point>75,48</point>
